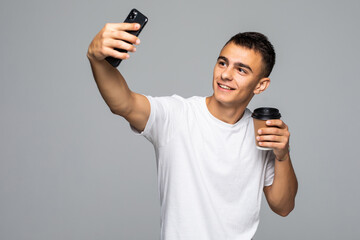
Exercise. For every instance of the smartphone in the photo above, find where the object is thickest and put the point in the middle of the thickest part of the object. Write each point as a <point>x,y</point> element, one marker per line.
<point>134,17</point>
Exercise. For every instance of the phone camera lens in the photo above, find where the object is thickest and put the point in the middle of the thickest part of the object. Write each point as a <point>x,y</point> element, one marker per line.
<point>132,15</point>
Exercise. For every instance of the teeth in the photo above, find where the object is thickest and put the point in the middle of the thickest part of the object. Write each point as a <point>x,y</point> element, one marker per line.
<point>223,86</point>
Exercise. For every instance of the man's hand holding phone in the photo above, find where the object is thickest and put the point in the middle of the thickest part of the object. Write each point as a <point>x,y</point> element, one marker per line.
<point>111,36</point>
<point>108,48</point>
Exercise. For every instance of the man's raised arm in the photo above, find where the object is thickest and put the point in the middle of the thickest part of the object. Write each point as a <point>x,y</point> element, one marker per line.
<point>135,108</point>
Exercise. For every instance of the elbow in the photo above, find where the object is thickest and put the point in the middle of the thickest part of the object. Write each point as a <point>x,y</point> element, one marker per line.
<point>286,211</point>
<point>121,111</point>
<point>283,214</point>
<point>114,111</point>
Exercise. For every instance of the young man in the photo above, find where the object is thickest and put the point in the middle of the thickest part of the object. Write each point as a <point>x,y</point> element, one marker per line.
<point>210,174</point>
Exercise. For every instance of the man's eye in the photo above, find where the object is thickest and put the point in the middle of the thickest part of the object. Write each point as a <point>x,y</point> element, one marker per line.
<point>242,70</point>
<point>222,63</point>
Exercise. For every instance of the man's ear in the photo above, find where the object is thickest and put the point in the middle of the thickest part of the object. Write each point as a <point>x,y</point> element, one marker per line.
<point>262,85</point>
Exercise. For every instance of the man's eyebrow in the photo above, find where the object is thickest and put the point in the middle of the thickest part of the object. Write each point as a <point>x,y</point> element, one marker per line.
<point>238,64</point>
<point>223,58</point>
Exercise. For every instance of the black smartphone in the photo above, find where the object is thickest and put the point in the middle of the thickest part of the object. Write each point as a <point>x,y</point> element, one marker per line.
<point>134,17</point>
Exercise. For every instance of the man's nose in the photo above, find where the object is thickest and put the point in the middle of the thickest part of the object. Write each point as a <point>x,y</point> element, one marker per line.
<point>226,74</point>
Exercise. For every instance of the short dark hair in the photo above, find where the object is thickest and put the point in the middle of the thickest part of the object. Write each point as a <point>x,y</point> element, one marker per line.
<point>259,43</point>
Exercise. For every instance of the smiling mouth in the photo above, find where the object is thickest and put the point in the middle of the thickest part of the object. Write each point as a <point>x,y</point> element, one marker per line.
<point>225,87</point>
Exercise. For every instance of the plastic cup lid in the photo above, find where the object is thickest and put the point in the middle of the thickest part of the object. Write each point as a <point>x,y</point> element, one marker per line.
<point>266,113</point>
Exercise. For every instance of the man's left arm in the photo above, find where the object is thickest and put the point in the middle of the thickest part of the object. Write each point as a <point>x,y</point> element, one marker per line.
<point>281,194</point>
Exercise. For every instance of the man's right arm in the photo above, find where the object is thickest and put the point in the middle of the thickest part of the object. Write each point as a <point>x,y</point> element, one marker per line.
<point>134,107</point>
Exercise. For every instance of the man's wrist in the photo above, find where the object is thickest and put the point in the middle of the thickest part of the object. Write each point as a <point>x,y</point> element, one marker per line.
<point>284,158</point>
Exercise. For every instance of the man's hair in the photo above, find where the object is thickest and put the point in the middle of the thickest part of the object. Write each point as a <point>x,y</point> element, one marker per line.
<point>259,43</point>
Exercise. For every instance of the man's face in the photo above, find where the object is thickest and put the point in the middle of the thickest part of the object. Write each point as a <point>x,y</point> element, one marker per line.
<point>239,69</point>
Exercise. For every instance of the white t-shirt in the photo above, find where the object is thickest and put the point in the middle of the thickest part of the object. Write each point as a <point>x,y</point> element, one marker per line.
<point>210,173</point>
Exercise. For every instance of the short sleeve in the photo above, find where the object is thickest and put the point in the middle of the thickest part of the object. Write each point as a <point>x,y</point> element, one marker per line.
<point>165,116</point>
<point>269,169</point>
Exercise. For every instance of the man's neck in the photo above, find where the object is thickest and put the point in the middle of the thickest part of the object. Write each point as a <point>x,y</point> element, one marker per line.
<point>224,113</point>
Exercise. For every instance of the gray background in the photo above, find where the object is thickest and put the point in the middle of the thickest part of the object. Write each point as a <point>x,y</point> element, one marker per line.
<point>70,169</point>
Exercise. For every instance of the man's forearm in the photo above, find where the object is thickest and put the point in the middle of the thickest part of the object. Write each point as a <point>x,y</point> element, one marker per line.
<point>281,196</point>
<point>112,86</point>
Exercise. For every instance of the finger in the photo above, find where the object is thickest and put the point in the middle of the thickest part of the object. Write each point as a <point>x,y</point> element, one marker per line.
<point>116,54</point>
<point>271,131</point>
<point>276,122</point>
<point>123,26</point>
<point>119,44</point>
<point>122,35</point>
<point>273,145</point>
<point>270,138</point>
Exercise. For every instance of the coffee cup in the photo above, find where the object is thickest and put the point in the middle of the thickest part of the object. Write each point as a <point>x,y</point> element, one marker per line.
<point>260,116</point>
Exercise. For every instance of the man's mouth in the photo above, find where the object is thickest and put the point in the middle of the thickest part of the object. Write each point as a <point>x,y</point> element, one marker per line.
<point>225,87</point>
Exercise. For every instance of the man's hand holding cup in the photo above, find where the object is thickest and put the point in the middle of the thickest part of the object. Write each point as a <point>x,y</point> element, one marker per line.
<point>271,133</point>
